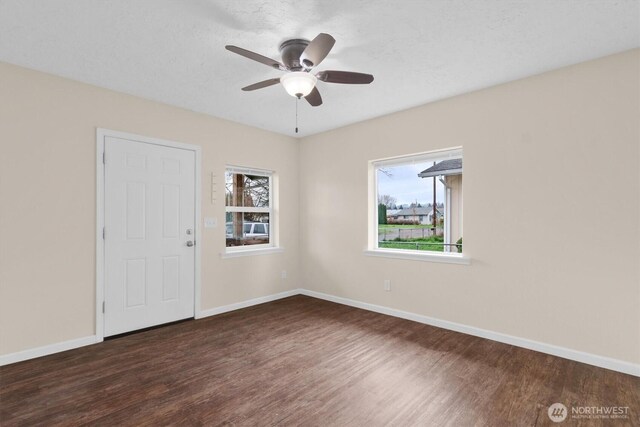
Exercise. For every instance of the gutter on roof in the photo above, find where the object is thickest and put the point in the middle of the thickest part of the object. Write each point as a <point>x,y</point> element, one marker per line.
<point>444,172</point>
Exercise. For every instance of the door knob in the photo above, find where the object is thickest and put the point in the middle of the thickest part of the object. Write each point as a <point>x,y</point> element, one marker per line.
<point>189,243</point>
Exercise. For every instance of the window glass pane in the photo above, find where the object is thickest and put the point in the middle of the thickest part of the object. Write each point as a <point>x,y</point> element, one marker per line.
<point>419,205</point>
<point>246,229</point>
<point>244,190</point>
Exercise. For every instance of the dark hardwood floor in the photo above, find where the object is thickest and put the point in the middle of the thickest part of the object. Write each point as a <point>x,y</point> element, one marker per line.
<point>304,361</point>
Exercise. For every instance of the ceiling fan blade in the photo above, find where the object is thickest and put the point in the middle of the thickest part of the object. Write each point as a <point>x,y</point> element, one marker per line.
<point>317,50</point>
<point>260,85</point>
<point>314,98</point>
<point>344,77</point>
<point>256,57</point>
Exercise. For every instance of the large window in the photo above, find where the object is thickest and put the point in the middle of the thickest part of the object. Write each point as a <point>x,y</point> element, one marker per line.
<point>249,211</point>
<point>418,203</point>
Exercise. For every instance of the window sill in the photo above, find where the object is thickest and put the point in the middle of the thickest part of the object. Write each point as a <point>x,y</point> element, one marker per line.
<point>420,256</point>
<point>250,252</point>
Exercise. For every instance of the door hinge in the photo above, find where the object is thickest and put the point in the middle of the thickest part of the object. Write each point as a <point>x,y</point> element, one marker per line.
<point>103,306</point>
<point>104,161</point>
<point>102,233</point>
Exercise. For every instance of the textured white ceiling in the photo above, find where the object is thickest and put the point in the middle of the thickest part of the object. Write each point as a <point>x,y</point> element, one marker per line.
<point>419,51</point>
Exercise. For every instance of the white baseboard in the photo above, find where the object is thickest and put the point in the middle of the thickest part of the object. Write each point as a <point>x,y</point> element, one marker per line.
<point>566,353</point>
<point>46,350</point>
<point>244,304</point>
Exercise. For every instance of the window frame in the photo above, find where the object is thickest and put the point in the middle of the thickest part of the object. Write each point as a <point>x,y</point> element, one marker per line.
<point>372,244</point>
<point>271,246</point>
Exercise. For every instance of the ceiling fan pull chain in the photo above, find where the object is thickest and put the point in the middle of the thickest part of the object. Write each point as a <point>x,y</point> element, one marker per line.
<point>297,99</point>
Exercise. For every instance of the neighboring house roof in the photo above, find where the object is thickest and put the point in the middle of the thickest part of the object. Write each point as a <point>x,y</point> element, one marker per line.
<point>415,211</point>
<point>392,211</point>
<point>445,167</point>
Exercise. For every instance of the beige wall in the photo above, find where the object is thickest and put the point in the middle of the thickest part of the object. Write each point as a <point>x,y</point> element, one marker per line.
<point>47,202</point>
<point>565,142</point>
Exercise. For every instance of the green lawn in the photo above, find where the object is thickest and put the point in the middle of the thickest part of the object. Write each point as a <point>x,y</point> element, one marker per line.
<point>433,243</point>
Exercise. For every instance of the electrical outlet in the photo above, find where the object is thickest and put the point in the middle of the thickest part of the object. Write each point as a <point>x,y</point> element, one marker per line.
<point>283,274</point>
<point>387,285</point>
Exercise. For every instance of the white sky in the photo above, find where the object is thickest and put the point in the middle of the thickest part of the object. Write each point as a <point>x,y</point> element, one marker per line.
<point>406,186</point>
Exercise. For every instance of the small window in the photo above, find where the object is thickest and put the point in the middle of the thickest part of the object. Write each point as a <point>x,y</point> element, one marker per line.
<point>249,211</point>
<point>419,203</point>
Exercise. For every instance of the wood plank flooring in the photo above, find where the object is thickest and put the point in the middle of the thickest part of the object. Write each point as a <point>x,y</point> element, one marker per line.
<point>304,361</point>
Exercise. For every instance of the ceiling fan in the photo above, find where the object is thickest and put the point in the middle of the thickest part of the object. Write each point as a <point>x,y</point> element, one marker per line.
<point>299,56</point>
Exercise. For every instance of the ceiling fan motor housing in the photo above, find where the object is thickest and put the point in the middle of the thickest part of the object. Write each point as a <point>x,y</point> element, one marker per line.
<point>291,51</point>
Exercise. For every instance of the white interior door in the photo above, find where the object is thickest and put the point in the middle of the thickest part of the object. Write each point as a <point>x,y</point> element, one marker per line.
<point>149,232</point>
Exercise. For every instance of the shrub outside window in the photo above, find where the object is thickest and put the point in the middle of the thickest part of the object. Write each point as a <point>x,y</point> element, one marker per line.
<point>419,203</point>
<point>249,210</point>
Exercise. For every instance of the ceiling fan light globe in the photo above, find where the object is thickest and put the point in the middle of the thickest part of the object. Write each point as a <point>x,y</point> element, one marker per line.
<point>298,83</point>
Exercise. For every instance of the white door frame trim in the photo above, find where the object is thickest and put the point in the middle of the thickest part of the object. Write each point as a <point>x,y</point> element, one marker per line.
<point>101,134</point>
